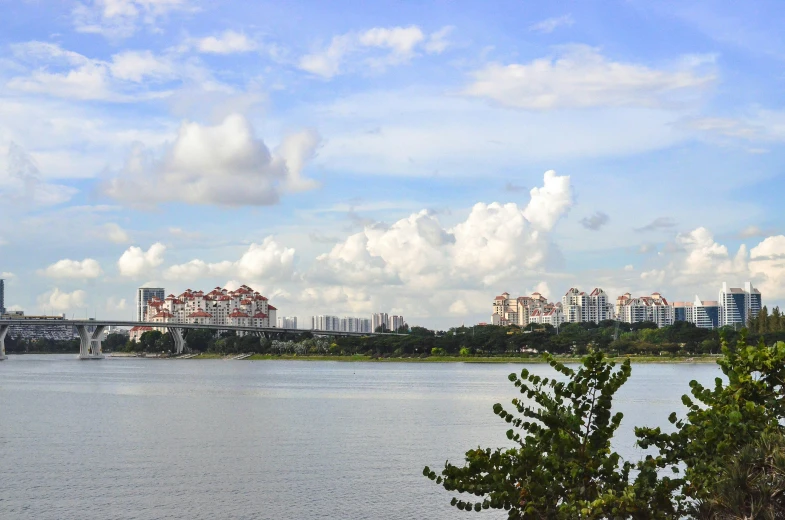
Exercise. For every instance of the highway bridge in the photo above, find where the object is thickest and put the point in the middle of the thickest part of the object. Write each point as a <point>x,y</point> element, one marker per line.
<point>91,332</point>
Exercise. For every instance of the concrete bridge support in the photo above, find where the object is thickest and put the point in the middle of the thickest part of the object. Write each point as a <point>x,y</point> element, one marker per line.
<point>90,342</point>
<point>3,332</point>
<point>179,340</point>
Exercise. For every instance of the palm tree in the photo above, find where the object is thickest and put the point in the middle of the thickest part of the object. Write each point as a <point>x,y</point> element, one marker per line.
<point>751,485</point>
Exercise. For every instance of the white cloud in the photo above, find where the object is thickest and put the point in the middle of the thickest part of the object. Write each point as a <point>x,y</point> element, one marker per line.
<point>140,65</point>
<point>223,165</point>
<point>57,300</point>
<point>23,184</point>
<point>136,262</point>
<point>129,75</point>
<point>495,241</point>
<point>401,44</point>
<point>437,41</point>
<point>115,304</point>
<point>582,77</point>
<point>116,234</point>
<point>229,42</point>
<point>266,261</point>
<point>767,263</point>
<point>87,268</point>
<point>121,18</point>
<point>6,275</point>
<point>550,24</point>
<point>400,40</point>
<point>459,308</point>
<point>705,257</point>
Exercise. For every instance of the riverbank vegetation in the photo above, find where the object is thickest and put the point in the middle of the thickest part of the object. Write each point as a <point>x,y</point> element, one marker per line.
<point>722,458</point>
<point>480,342</point>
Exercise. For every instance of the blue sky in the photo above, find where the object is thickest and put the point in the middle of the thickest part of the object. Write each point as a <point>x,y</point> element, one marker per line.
<point>347,158</point>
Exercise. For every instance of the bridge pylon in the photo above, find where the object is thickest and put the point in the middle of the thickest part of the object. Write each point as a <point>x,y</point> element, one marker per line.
<point>179,340</point>
<point>90,342</point>
<point>3,332</point>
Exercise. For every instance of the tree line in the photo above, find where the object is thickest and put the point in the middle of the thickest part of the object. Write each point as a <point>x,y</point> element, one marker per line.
<point>614,337</point>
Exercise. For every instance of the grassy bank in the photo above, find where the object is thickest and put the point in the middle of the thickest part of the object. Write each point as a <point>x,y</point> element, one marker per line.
<point>458,359</point>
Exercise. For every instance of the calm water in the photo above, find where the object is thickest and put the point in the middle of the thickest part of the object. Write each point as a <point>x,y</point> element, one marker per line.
<point>154,439</point>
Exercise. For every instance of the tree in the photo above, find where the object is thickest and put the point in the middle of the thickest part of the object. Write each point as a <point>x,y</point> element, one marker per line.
<point>149,340</point>
<point>199,339</point>
<point>562,466</point>
<point>720,421</point>
<point>751,484</point>
<point>114,342</point>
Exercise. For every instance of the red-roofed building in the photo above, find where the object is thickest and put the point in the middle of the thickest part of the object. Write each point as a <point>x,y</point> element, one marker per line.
<point>215,307</point>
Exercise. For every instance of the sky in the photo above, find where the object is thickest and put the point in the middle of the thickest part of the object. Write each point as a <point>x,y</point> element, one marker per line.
<point>408,157</point>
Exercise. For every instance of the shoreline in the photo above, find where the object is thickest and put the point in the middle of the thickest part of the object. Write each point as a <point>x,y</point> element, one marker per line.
<point>449,359</point>
<point>431,359</point>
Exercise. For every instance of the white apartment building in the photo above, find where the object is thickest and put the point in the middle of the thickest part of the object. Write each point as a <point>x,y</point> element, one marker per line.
<point>325,322</point>
<point>654,308</point>
<point>241,307</point>
<point>516,311</point>
<point>578,306</point>
<point>395,323</point>
<point>287,322</point>
<point>345,324</point>
<point>548,315</point>
<point>379,319</point>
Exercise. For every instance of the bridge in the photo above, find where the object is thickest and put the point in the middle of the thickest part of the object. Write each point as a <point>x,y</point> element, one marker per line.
<point>91,332</point>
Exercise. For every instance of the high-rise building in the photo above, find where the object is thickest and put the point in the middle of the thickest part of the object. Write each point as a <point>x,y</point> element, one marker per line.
<point>654,308</point>
<point>325,322</point>
<point>144,295</point>
<point>737,305</point>
<point>707,314</point>
<point>683,311</point>
<point>578,306</point>
<point>395,323</point>
<point>380,319</point>
<point>516,311</point>
<point>287,322</point>
<point>2,296</point>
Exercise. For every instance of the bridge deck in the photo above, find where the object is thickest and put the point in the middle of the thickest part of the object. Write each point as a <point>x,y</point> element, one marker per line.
<point>115,323</point>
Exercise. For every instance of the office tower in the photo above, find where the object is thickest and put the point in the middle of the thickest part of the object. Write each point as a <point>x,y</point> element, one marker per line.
<point>143,295</point>
<point>2,296</point>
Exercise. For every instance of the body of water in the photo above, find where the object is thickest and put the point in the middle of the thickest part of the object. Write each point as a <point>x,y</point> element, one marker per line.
<point>212,439</point>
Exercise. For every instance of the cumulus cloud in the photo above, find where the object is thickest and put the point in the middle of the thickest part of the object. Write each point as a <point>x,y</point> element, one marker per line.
<point>224,165</point>
<point>550,24</point>
<point>87,268</point>
<point>266,261</point>
<point>121,18</point>
<point>399,44</point>
<point>767,263</point>
<point>61,301</point>
<point>596,221</point>
<point>229,42</point>
<point>136,262</point>
<point>495,241</point>
<point>580,76</point>
<point>23,183</point>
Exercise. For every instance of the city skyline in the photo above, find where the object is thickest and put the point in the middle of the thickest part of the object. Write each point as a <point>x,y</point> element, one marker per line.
<point>412,158</point>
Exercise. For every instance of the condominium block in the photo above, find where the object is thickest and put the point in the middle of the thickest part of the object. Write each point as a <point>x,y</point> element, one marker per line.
<point>654,308</point>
